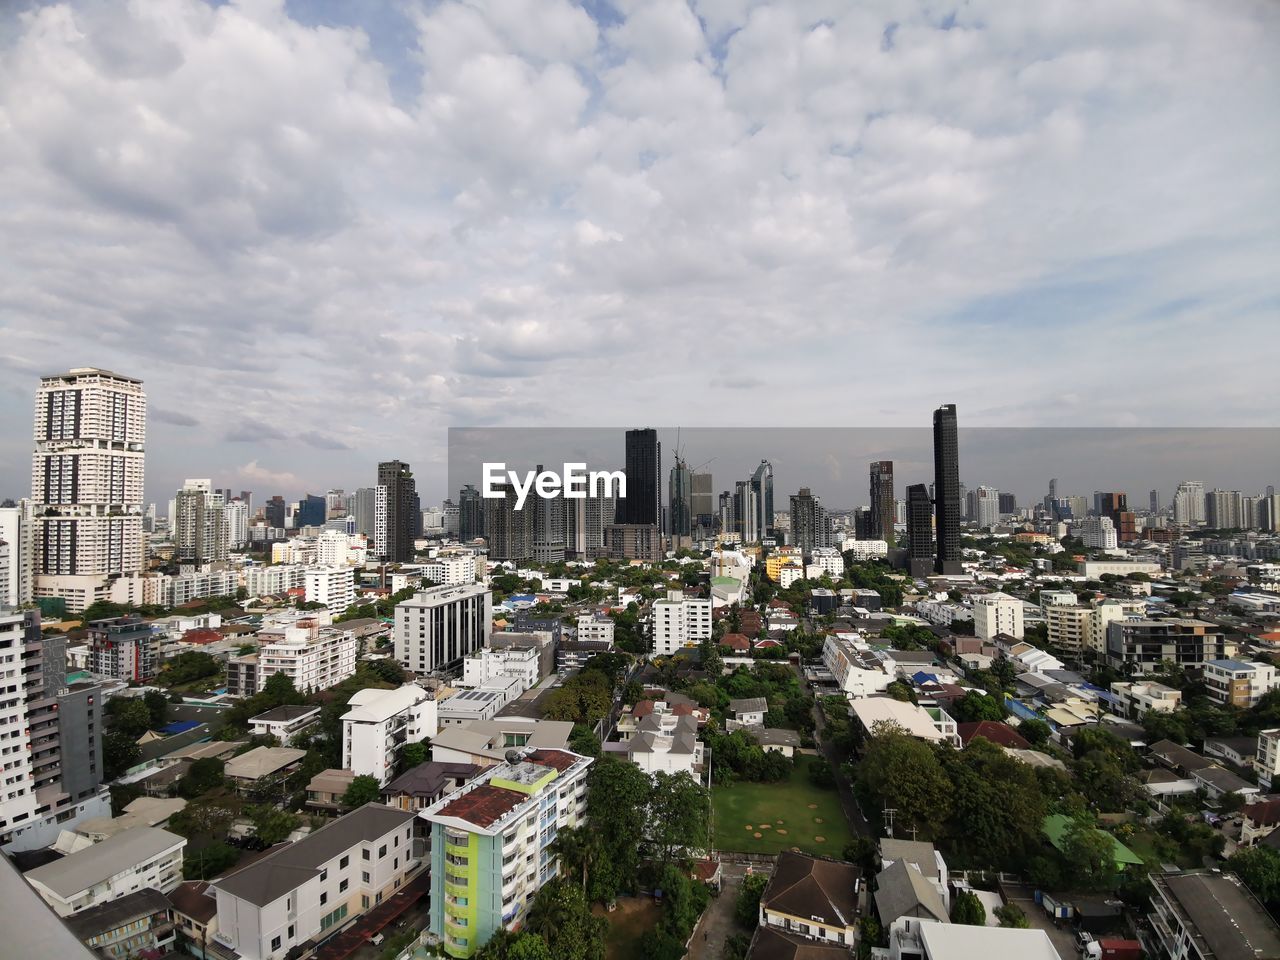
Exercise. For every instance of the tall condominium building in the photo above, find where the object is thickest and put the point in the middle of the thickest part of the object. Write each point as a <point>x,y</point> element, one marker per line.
<point>509,532</point>
<point>363,503</point>
<point>986,506</point>
<point>437,628</point>
<point>87,483</point>
<point>588,518</point>
<point>275,512</point>
<point>1222,510</point>
<point>643,502</point>
<point>919,531</point>
<point>702,502</point>
<point>123,648</point>
<point>236,513</point>
<point>882,502</point>
<point>17,534</point>
<point>401,497</point>
<point>200,530</point>
<point>947,499</point>
<point>762,488</point>
<point>491,843</point>
<point>52,735</point>
<point>746,512</point>
<point>550,534</point>
<point>470,514</point>
<point>810,525</point>
<point>1188,503</point>
<point>680,498</point>
<point>314,657</point>
<point>680,621</point>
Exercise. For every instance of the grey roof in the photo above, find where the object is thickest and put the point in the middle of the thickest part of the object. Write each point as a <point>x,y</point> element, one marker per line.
<point>262,762</point>
<point>427,779</point>
<point>278,873</point>
<point>1222,778</point>
<point>1179,756</point>
<point>289,711</point>
<point>1225,919</point>
<point>902,891</point>
<point>749,705</point>
<point>102,861</point>
<point>920,852</point>
<point>116,913</point>
<point>774,736</point>
<point>684,736</point>
<point>41,932</point>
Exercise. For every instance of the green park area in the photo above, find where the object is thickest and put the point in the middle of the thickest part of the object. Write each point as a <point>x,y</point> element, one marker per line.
<point>771,817</point>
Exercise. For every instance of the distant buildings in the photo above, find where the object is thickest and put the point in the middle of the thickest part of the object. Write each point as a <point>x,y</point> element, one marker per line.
<point>810,525</point>
<point>397,519</point>
<point>995,613</point>
<point>1142,645</point>
<point>947,499</point>
<point>122,648</point>
<point>882,501</point>
<point>200,531</point>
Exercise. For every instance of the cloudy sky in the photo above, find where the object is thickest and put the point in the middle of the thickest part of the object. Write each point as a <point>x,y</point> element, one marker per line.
<point>322,232</point>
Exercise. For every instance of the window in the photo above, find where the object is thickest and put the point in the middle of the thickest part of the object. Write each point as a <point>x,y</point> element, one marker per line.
<point>364,854</point>
<point>324,875</point>
<point>275,943</point>
<point>344,862</point>
<point>324,898</point>
<point>291,931</point>
<point>382,851</point>
<point>364,902</point>
<point>364,877</point>
<point>342,886</point>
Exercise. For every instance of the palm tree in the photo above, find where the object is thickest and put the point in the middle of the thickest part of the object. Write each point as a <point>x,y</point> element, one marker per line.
<point>576,850</point>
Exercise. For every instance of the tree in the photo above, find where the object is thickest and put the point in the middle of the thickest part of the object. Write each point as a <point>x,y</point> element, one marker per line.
<point>1035,731</point>
<point>279,690</point>
<point>577,848</point>
<point>1259,869</point>
<point>968,909</point>
<point>904,773</point>
<point>1090,856</point>
<point>821,774</point>
<point>362,789</point>
<point>975,706</point>
<point>582,740</point>
<point>901,691</point>
<point>746,910</point>
<point>1011,915</point>
<point>679,808</point>
<point>189,666</point>
<point>209,861</point>
<point>119,753</point>
<point>158,704</point>
<point>129,716</point>
<point>617,804</point>
<point>561,916</point>
<point>413,755</point>
<point>508,945</point>
<point>997,807</point>
<point>272,825</point>
<point>202,776</point>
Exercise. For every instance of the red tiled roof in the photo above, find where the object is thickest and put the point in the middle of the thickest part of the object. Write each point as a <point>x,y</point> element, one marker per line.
<point>705,870</point>
<point>483,806</point>
<point>998,733</point>
<point>642,708</point>
<point>1264,813</point>
<point>202,635</point>
<point>736,641</point>
<point>556,759</point>
<point>767,642</point>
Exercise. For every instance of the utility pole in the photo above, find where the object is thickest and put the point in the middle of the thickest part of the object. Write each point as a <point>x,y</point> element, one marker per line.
<point>888,820</point>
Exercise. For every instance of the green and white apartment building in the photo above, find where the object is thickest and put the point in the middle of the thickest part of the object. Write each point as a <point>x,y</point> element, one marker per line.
<point>489,843</point>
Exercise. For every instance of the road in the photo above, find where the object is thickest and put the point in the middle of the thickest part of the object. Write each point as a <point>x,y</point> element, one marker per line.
<point>717,923</point>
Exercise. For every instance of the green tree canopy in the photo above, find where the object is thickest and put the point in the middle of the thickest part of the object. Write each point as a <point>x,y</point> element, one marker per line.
<point>363,789</point>
<point>904,773</point>
<point>1259,869</point>
<point>561,916</point>
<point>968,909</point>
<point>679,808</point>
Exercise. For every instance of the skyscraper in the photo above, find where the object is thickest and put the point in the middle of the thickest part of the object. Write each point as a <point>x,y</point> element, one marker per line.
<point>509,531</point>
<point>643,502</point>
<point>311,512</point>
<point>274,512</point>
<point>1154,501</point>
<point>882,500</point>
<point>680,496</point>
<point>919,531</point>
<point>762,486</point>
<point>1115,506</point>
<point>1188,503</point>
<point>986,506</point>
<point>396,476</point>
<point>549,527</point>
<point>810,526</point>
<point>200,528</point>
<point>946,478</point>
<point>87,483</point>
<point>363,507</point>
<point>746,511</point>
<point>703,501</point>
<point>470,514</point>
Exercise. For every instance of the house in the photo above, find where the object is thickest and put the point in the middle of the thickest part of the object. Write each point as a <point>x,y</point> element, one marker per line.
<point>122,864</point>
<point>1218,781</point>
<point>486,742</point>
<point>327,788</point>
<point>667,743</point>
<point>1235,750</point>
<point>770,943</point>
<point>926,939</point>
<point>748,712</point>
<point>1177,757</point>
<point>1057,825</point>
<point>284,722</point>
<point>737,642</point>
<point>194,908</point>
<point>924,857</point>
<point>423,785</point>
<point>1001,734</point>
<point>128,926</point>
<point>1259,819</point>
<point>776,740</point>
<point>914,720</point>
<point>139,812</point>
<point>302,891</point>
<point>814,898</point>
<point>902,891</point>
<point>264,770</point>
<point>1202,914</point>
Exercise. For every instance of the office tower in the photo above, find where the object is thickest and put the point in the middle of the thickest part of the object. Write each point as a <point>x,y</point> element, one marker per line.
<point>53,739</point>
<point>1051,506</point>
<point>491,842</point>
<point>550,539</point>
<point>1188,503</point>
<point>1115,506</point>
<point>470,514</point>
<point>810,525</point>
<point>310,512</point>
<point>247,497</point>
<point>680,497</point>
<point>363,504</point>
<point>401,495</point>
<point>1222,509</point>
<point>746,511</point>
<point>643,502</point>
<point>1008,504</point>
<point>724,511</point>
<point>87,483</point>
<point>17,533</point>
<point>335,503</point>
<point>863,526</point>
<point>919,531</point>
<point>1154,502</point>
<point>986,506</point>
<point>1053,489</point>
<point>762,485</point>
<point>274,512</point>
<point>882,501</point>
<point>509,531</point>
<point>437,628</point>
<point>946,475</point>
<point>703,502</point>
<point>200,526</point>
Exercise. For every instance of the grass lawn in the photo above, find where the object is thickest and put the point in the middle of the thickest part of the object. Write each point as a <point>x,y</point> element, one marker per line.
<point>631,918</point>
<point>779,816</point>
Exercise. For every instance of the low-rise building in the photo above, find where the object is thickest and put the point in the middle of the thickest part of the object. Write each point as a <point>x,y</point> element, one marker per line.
<point>311,888</point>
<point>997,613</point>
<point>666,742</point>
<point>1236,683</point>
<point>194,908</point>
<point>486,742</point>
<point>1142,645</point>
<point>264,772</point>
<point>1267,760</point>
<point>327,788</point>
<point>314,657</point>
<point>814,898</point>
<point>916,721</point>
<point>679,622</point>
<point>596,627</point>
<point>420,787</point>
<point>284,722</point>
<point>1137,698</point>
<point>129,926</point>
<point>928,939</point>
<point>859,670</point>
<point>129,861</point>
<point>379,722</point>
<point>1199,915</point>
<point>748,712</point>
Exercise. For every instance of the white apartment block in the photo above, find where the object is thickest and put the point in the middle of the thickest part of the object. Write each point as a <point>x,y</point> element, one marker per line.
<point>865,549</point>
<point>18,803</point>
<point>830,560</point>
<point>680,621</point>
<point>1139,698</point>
<point>437,628</point>
<point>1058,598</point>
<point>335,587</point>
<point>236,514</point>
<point>1068,627</point>
<point>997,613</point>
<point>87,483</point>
<point>129,861</point>
<point>1267,761</point>
<point>17,531</point>
<point>789,573</point>
<point>520,662</point>
<point>380,722</point>
<point>337,549</point>
<point>277,578</point>
<point>595,627</point>
<point>299,550</point>
<point>196,586</point>
<point>1099,533</point>
<point>451,570</point>
<point>858,669</point>
<point>307,890</point>
<point>1107,611</point>
<point>313,657</point>
<point>1094,569</point>
<point>1237,683</point>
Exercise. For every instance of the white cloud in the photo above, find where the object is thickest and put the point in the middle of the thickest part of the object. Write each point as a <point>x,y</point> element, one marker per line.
<point>570,222</point>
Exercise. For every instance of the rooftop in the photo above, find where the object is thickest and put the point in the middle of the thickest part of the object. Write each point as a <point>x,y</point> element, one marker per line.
<point>286,713</point>
<point>116,913</point>
<point>428,779</point>
<point>102,861</point>
<point>1225,919</point>
<point>262,762</point>
<point>813,888</point>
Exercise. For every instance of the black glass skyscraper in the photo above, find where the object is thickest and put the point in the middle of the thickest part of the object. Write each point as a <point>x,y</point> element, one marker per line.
<point>470,514</point>
<point>946,479</point>
<point>402,498</point>
<point>643,502</point>
<point>882,503</point>
<point>919,530</point>
<point>762,484</point>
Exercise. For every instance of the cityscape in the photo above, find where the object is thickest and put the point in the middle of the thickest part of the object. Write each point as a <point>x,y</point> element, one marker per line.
<point>639,480</point>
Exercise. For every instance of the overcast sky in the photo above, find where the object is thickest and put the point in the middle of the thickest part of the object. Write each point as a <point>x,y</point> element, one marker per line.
<point>323,232</point>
